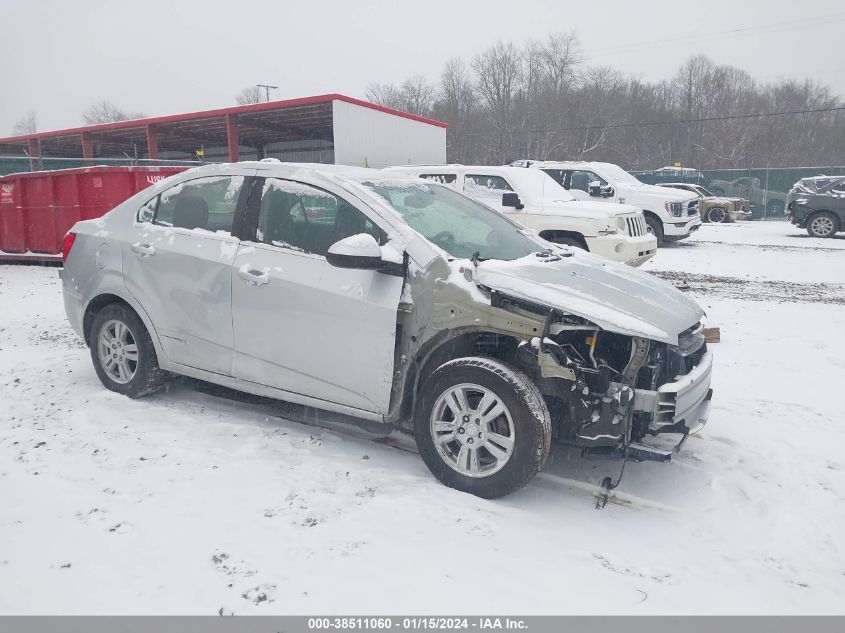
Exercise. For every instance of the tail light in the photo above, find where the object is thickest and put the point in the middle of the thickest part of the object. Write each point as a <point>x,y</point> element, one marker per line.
<point>67,244</point>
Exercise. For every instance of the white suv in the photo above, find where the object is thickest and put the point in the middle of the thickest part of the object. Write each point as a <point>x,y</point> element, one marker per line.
<point>671,214</point>
<point>619,233</point>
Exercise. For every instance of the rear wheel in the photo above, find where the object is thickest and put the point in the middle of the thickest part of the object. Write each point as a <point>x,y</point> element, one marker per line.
<point>123,353</point>
<point>717,214</point>
<point>655,227</point>
<point>824,224</point>
<point>482,427</point>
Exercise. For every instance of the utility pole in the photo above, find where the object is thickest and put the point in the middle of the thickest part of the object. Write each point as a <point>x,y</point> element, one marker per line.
<point>267,89</point>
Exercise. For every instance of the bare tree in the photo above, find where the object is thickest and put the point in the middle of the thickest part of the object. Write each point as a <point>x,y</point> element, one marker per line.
<point>386,95</point>
<point>27,124</point>
<point>457,106</point>
<point>499,73</point>
<point>250,94</point>
<point>107,112</point>
<point>537,100</point>
<point>560,55</point>
<point>415,95</point>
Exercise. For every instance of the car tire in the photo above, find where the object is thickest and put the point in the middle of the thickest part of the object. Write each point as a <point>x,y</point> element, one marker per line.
<point>717,215</point>
<point>511,442</point>
<point>655,227</point>
<point>824,224</point>
<point>123,353</point>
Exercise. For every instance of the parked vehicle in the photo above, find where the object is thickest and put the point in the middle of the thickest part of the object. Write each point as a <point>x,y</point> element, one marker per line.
<point>818,205</point>
<point>762,202</point>
<point>663,174</point>
<point>714,208</point>
<point>404,303</point>
<point>539,203</point>
<point>670,215</point>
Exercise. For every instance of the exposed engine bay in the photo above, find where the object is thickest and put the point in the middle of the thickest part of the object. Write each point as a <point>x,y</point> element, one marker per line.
<point>607,391</point>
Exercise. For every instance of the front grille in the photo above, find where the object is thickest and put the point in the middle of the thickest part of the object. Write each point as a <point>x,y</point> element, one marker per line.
<point>636,225</point>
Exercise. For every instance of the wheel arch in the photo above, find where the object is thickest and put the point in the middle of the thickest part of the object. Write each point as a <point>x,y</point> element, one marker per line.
<point>551,234</point>
<point>445,346</point>
<point>109,297</point>
<point>656,216</point>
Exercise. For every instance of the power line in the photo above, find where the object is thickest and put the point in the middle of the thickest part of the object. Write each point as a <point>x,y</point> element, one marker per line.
<point>699,36</point>
<point>672,122</point>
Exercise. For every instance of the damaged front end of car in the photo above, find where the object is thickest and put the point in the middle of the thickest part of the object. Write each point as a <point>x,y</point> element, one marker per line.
<point>611,393</point>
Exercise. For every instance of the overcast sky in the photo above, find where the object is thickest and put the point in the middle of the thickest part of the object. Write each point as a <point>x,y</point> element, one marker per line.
<point>58,57</point>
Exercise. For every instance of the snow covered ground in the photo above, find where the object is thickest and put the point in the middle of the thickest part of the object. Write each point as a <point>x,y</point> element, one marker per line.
<point>186,502</point>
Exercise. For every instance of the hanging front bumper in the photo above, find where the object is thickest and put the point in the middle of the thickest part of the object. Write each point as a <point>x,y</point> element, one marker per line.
<point>680,406</point>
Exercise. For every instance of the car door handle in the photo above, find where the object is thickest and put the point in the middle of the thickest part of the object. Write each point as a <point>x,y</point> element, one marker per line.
<point>253,277</point>
<point>144,250</point>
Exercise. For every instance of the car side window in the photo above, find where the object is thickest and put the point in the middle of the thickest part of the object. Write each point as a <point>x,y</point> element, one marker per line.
<point>495,183</point>
<point>559,175</point>
<point>303,218</point>
<point>443,179</point>
<point>203,203</point>
<point>581,179</point>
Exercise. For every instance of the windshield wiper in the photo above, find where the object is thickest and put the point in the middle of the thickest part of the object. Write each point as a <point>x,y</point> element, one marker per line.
<point>476,257</point>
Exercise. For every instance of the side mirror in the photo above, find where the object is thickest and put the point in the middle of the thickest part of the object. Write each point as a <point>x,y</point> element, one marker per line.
<point>597,190</point>
<point>511,199</point>
<point>356,251</point>
<point>362,252</point>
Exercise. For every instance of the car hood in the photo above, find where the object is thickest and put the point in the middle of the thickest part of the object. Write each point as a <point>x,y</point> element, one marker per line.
<point>587,208</point>
<point>615,297</point>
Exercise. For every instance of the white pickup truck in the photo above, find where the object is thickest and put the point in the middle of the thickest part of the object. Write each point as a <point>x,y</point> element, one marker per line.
<point>671,214</point>
<point>530,197</point>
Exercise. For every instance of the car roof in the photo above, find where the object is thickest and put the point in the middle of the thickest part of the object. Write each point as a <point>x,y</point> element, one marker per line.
<point>318,171</point>
<point>567,164</point>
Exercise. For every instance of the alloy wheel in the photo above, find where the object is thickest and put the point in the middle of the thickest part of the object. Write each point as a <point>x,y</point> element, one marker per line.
<point>118,351</point>
<point>822,226</point>
<point>472,429</point>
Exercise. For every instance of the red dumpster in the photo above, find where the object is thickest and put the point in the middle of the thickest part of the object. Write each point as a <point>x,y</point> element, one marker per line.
<point>38,208</point>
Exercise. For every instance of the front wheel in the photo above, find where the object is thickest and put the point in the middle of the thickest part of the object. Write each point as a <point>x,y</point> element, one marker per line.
<point>717,215</point>
<point>655,227</point>
<point>823,224</point>
<point>123,352</point>
<point>482,427</point>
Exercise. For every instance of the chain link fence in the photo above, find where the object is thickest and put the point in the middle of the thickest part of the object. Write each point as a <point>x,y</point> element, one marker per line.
<point>17,164</point>
<point>765,189</point>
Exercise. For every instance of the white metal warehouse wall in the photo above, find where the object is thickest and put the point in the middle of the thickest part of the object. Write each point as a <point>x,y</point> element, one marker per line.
<point>367,137</point>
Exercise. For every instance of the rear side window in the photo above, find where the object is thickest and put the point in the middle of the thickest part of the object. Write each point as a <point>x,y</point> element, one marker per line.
<point>202,203</point>
<point>443,179</point>
<point>496,183</point>
<point>303,218</point>
<point>559,175</point>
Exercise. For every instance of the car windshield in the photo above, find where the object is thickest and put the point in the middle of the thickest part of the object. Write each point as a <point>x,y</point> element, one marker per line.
<point>459,225</point>
<point>616,173</point>
<point>704,191</point>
